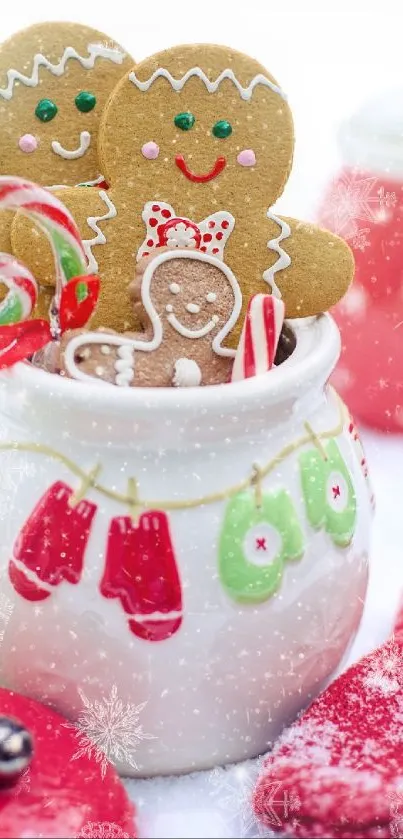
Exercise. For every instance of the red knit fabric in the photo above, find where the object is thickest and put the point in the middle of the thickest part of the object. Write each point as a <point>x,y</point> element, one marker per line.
<point>338,771</point>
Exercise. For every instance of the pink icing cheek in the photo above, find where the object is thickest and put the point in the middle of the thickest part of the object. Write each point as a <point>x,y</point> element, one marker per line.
<point>150,150</point>
<point>246,157</point>
<point>28,143</point>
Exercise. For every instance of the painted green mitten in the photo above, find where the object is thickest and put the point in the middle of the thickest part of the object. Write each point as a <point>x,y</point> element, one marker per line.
<point>313,479</point>
<point>254,544</point>
<point>329,493</point>
<point>341,505</point>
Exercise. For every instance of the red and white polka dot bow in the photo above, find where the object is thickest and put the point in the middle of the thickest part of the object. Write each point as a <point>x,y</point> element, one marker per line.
<point>165,229</point>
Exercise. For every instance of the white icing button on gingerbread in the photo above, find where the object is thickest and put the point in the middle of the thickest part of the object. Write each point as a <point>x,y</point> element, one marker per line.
<point>174,288</point>
<point>105,350</point>
<point>124,366</point>
<point>193,308</point>
<point>187,373</point>
<point>211,297</point>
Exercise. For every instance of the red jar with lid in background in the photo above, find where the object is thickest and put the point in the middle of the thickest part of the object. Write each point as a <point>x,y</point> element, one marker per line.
<point>364,205</point>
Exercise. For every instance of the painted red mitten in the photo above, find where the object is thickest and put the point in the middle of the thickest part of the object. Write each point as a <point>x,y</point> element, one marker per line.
<point>338,771</point>
<point>141,571</point>
<point>60,793</point>
<point>51,545</point>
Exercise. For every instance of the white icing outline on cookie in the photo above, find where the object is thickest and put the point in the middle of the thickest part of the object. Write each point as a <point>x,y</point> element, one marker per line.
<point>192,333</point>
<point>85,141</point>
<point>99,238</point>
<point>95,51</point>
<point>212,87</point>
<point>148,346</point>
<point>284,260</point>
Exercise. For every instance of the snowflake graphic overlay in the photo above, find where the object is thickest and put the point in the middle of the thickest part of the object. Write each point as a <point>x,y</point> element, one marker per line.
<point>15,467</point>
<point>234,788</point>
<point>6,610</point>
<point>396,814</point>
<point>101,830</point>
<point>353,199</point>
<point>24,782</point>
<point>109,730</point>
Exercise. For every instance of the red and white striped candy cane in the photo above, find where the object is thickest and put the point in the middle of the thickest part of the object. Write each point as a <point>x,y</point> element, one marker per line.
<point>22,290</point>
<point>56,221</point>
<point>259,338</point>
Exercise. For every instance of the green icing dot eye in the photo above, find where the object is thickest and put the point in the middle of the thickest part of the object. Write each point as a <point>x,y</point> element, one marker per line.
<point>185,121</point>
<point>85,101</point>
<point>222,129</point>
<point>45,110</point>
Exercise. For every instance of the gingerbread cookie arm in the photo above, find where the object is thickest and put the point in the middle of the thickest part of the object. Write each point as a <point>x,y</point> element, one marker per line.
<point>91,209</point>
<point>310,267</point>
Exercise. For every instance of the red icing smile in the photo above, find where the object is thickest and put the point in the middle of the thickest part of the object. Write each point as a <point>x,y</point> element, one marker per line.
<point>200,179</point>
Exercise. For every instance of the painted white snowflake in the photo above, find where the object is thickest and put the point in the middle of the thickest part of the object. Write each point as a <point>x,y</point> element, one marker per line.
<point>383,672</point>
<point>102,830</point>
<point>233,789</point>
<point>353,199</point>
<point>109,730</point>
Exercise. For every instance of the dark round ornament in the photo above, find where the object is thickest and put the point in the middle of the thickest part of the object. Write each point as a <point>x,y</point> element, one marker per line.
<point>16,749</point>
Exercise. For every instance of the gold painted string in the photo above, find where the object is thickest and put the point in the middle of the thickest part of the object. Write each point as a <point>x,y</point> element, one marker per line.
<point>135,503</point>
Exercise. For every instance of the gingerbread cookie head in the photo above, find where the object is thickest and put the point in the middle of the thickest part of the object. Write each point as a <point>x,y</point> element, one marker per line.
<point>199,121</point>
<point>183,298</point>
<point>54,81</point>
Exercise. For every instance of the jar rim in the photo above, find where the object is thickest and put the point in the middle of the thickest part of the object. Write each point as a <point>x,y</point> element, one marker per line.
<point>316,353</point>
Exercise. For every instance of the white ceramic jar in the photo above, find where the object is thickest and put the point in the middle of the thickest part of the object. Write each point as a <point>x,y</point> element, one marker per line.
<point>250,603</point>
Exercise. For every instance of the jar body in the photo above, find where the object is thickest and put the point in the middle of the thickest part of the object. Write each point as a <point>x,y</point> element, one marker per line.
<point>257,590</point>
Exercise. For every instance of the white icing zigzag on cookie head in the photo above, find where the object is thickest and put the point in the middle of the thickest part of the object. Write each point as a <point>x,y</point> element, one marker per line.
<point>95,51</point>
<point>212,87</point>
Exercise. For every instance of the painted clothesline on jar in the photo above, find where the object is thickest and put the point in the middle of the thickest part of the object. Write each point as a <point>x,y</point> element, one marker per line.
<point>135,503</point>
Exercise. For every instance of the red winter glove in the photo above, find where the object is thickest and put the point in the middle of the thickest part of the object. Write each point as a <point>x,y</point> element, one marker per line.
<point>338,772</point>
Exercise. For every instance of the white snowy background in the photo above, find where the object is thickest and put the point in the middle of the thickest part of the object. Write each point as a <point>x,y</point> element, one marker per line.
<point>329,57</point>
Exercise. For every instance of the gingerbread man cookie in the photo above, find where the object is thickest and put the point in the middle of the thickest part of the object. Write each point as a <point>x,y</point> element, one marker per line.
<point>188,303</point>
<point>201,137</point>
<point>54,81</point>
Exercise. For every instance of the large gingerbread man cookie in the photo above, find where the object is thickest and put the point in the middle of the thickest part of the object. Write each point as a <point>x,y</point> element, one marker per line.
<point>54,81</point>
<point>196,143</point>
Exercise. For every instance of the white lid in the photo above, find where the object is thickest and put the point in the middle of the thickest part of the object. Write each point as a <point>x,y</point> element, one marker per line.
<point>373,137</point>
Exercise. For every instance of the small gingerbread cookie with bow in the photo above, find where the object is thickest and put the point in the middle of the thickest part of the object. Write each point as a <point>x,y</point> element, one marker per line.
<point>187,302</point>
<point>197,144</point>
